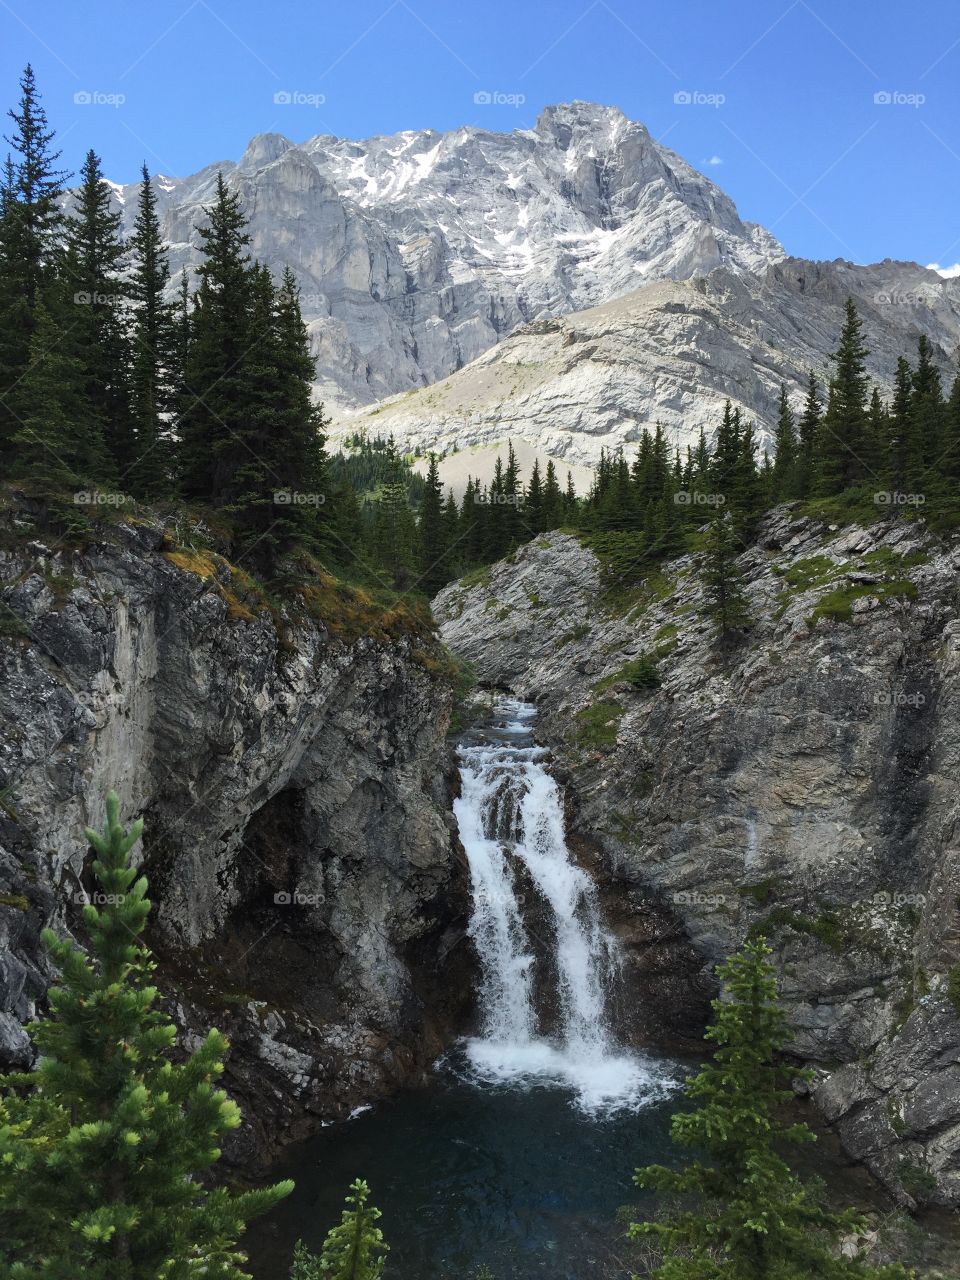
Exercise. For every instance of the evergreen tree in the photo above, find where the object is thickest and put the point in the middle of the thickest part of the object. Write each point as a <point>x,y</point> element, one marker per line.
<point>452,541</point>
<point>100,1174</point>
<point>512,522</point>
<point>751,1218</point>
<point>154,355</point>
<point>216,391</point>
<point>843,436</point>
<point>928,416</point>
<point>785,460</point>
<point>394,538</point>
<point>57,446</point>
<point>552,506</point>
<point>533,503</point>
<point>808,433</point>
<point>29,230</point>
<point>473,514</point>
<point>93,256</point>
<point>570,505</point>
<point>726,459</point>
<point>903,457</point>
<point>951,452</point>
<point>282,434</point>
<point>431,531</point>
<point>747,493</point>
<point>878,432</point>
<point>353,1250</point>
<point>723,581</point>
<point>495,532</point>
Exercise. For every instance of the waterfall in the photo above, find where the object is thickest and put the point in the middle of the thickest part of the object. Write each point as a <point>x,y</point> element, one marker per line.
<point>510,817</point>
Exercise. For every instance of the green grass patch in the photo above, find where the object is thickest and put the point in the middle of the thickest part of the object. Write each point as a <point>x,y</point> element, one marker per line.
<point>836,930</point>
<point>813,571</point>
<point>477,578</point>
<point>640,673</point>
<point>575,633</point>
<point>953,988</point>
<point>837,604</point>
<point>12,627</point>
<point>761,892</point>
<point>597,725</point>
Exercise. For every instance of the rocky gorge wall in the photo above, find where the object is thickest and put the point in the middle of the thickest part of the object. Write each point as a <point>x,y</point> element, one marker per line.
<point>805,788</point>
<point>308,896</point>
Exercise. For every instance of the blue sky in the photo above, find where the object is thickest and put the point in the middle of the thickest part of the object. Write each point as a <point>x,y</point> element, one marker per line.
<point>785,114</point>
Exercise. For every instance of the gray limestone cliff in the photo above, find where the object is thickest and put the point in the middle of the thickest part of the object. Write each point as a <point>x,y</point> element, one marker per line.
<point>309,899</point>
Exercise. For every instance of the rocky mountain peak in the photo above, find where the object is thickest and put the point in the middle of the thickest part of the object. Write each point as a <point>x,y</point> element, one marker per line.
<point>418,251</point>
<point>262,150</point>
<point>566,121</point>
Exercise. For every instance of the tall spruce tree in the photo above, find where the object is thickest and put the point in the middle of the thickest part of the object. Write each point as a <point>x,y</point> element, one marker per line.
<point>726,459</point>
<point>214,398</point>
<point>395,535</point>
<point>928,413</point>
<point>808,433</point>
<point>751,1217</point>
<point>92,262</point>
<point>726,605</point>
<point>153,372</point>
<point>842,447</point>
<point>785,461</point>
<point>101,1168</point>
<point>551,511</point>
<point>951,450</point>
<point>570,501</point>
<point>904,462</point>
<point>58,446</point>
<point>432,532</point>
<point>30,226</point>
<point>280,500</point>
<point>533,502</point>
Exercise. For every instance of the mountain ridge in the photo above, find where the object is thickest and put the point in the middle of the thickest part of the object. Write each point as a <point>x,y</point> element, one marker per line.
<point>418,251</point>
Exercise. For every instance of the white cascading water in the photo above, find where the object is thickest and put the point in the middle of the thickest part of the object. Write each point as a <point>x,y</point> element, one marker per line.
<point>510,818</point>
